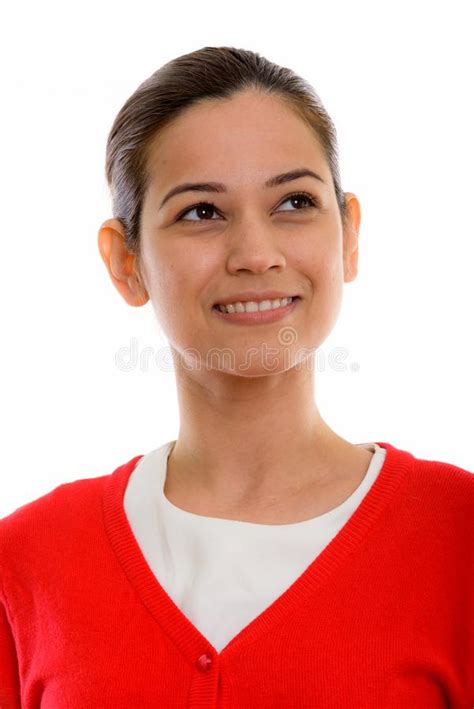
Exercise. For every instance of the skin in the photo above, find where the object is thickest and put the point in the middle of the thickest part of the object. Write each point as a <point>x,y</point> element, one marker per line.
<point>252,443</point>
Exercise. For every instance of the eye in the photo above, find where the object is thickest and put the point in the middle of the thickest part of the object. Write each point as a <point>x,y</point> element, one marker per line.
<point>297,196</point>
<point>203,207</point>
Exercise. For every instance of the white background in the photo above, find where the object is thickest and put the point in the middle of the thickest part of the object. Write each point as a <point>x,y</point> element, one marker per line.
<point>397,80</point>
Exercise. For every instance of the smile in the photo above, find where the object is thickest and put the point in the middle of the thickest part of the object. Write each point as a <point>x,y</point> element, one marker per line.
<point>255,313</point>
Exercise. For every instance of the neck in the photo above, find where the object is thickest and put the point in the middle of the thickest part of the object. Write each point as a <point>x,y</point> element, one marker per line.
<point>246,438</point>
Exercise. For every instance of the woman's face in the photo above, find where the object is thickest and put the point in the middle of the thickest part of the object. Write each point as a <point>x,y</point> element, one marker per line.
<point>248,237</point>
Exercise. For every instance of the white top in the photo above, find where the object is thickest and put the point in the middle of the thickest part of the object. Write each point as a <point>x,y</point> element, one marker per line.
<point>223,573</point>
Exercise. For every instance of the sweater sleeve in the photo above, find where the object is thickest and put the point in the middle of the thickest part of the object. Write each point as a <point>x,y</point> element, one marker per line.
<point>9,677</point>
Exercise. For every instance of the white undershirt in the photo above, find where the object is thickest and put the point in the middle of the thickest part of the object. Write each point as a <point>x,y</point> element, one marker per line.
<point>223,573</point>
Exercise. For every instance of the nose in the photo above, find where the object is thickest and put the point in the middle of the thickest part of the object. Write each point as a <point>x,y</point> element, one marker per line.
<point>253,247</point>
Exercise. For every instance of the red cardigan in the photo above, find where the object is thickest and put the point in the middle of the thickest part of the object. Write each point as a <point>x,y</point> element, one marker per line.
<point>383,617</point>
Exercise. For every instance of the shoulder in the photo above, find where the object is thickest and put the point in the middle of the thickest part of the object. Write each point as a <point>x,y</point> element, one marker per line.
<point>437,490</point>
<point>437,472</point>
<point>443,493</point>
<point>50,512</point>
<point>69,510</point>
<point>445,474</point>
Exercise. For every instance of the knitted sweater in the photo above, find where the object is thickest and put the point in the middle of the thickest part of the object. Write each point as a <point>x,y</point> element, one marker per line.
<point>383,615</point>
<point>223,573</point>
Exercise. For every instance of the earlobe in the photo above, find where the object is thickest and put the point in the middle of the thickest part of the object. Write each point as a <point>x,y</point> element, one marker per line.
<point>350,267</point>
<point>351,255</point>
<point>351,237</point>
<point>120,263</point>
<point>139,293</point>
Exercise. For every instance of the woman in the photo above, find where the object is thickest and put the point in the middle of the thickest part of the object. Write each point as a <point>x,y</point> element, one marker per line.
<point>260,560</point>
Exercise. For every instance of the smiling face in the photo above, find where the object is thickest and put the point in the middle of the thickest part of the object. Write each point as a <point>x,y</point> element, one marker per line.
<point>247,236</point>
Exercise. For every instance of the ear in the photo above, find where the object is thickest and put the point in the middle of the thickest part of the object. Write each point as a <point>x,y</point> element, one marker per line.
<point>351,237</point>
<point>121,263</point>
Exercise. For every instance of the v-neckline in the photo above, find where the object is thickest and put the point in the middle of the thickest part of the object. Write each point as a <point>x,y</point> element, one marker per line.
<point>191,642</point>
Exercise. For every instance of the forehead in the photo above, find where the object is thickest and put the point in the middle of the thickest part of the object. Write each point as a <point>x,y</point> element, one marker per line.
<point>245,138</point>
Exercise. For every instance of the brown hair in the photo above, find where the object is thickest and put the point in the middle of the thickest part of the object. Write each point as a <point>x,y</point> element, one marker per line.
<point>205,74</point>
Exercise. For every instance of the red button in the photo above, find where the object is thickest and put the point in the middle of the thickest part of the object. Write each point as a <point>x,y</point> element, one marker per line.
<point>204,663</point>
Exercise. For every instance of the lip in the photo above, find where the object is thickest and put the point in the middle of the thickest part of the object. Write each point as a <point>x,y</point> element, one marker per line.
<point>261,317</point>
<point>255,295</point>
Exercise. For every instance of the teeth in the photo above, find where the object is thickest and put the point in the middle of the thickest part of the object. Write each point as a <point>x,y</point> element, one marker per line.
<point>252,306</point>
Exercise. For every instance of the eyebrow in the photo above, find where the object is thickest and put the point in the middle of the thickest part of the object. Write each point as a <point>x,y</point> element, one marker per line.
<point>220,187</point>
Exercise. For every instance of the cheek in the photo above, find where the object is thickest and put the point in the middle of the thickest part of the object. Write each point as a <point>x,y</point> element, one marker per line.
<point>168,271</point>
<point>334,271</point>
<point>322,264</point>
<point>177,279</point>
